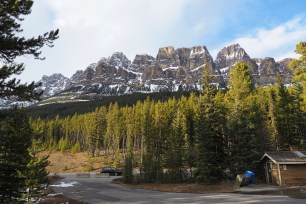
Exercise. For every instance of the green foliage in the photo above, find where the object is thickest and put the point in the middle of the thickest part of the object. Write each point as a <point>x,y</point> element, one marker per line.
<point>65,109</point>
<point>36,175</point>
<point>18,169</point>
<point>76,147</point>
<point>15,139</point>
<point>13,46</point>
<point>63,144</point>
<point>242,120</point>
<point>128,169</point>
<point>210,135</point>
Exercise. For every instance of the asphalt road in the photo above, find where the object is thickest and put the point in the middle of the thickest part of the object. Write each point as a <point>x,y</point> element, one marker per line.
<point>102,190</point>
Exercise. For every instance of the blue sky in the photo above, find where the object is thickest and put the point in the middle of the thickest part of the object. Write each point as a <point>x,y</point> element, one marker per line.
<point>93,29</point>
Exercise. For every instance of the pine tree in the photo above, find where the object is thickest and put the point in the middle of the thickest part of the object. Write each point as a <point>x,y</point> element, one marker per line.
<point>15,139</point>
<point>12,46</point>
<point>36,175</point>
<point>299,68</point>
<point>175,149</point>
<point>242,120</point>
<point>210,135</point>
<point>287,120</point>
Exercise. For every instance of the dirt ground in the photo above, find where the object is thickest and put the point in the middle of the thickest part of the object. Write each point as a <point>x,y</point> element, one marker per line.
<point>59,199</point>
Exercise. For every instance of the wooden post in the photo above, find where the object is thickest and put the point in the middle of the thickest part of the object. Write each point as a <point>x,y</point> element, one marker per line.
<point>279,175</point>
<point>267,172</point>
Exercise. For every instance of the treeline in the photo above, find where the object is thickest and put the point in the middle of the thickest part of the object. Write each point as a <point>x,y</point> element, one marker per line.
<point>195,138</point>
<point>49,111</point>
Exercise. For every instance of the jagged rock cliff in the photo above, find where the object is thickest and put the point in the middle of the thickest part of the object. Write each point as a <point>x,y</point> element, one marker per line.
<point>171,70</point>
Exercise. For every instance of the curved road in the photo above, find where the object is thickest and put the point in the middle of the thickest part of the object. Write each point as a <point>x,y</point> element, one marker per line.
<point>101,190</point>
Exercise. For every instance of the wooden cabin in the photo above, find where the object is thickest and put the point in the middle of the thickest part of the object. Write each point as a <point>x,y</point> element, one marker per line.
<point>285,167</point>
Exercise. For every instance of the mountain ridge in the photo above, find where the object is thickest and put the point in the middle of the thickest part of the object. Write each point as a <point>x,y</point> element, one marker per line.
<point>171,70</point>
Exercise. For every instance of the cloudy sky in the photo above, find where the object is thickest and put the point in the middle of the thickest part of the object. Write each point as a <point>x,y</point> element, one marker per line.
<point>93,29</point>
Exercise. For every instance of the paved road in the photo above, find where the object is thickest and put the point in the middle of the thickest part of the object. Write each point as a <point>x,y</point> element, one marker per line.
<point>101,190</point>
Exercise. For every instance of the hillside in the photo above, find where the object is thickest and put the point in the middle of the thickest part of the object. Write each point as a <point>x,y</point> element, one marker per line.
<point>45,110</point>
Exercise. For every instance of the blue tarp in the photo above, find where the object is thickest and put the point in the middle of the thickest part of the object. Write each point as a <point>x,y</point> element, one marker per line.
<point>251,176</point>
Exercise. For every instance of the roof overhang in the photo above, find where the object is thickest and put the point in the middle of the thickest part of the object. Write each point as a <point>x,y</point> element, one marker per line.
<point>266,155</point>
<point>283,162</point>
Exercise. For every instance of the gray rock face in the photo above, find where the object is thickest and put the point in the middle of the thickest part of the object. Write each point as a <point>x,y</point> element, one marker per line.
<point>120,60</point>
<point>268,71</point>
<point>77,76</point>
<point>285,71</point>
<point>141,62</point>
<point>263,71</point>
<point>184,56</point>
<point>167,57</point>
<point>228,56</point>
<point>199,56</point>
<point>53,84</point>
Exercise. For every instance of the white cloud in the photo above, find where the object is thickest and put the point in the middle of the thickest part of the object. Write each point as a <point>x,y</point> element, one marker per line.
<point>93,29</point>
<point>278,42</point>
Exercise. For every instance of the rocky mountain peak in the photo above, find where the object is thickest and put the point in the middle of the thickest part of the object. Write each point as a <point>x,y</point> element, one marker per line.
<point>141,61</point>
<point>104,60</point>
<point>118,59</point>
<point>167,57</point>
<point>199,55</point>
<point>53,84</point>
<point>165,51</point>
<point>228,56</point>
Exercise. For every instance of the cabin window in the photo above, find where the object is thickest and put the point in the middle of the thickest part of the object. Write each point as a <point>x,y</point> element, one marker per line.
<point>284,167</point>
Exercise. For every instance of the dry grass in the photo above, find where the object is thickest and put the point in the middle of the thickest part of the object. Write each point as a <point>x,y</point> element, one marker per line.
<point>72,162</point>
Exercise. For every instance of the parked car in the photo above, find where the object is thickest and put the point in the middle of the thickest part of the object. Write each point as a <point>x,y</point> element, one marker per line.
<point>112,171</point>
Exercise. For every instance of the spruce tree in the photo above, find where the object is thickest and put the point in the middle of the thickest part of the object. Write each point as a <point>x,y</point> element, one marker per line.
<point>242,120</point>
<point>15,139</point>
<point>210,135</point>
<point>13,45</point>
<point>299,68</point>
<point>36,174</point>
<point>175,149</point>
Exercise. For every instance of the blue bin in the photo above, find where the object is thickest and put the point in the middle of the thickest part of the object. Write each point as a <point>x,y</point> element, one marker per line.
<point>251,176</point>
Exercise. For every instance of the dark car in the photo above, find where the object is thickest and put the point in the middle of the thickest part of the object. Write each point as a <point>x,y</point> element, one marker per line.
<point>112,171</point>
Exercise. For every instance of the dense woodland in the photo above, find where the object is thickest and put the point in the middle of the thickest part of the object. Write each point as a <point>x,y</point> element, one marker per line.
<point>195,138</point>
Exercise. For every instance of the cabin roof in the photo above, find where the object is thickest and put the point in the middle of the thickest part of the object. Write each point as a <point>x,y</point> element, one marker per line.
<point>286,157</point>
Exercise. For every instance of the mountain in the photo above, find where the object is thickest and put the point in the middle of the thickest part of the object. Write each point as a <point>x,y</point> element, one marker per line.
<point>171,70</point>
<point>263,71</point>
<point>53,84</point>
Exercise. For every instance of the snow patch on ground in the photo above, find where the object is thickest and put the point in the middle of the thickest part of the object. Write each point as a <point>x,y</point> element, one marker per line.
<point>65,185</point>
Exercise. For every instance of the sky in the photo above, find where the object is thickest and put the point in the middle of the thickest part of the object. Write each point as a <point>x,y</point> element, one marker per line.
<point>92,29</point>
